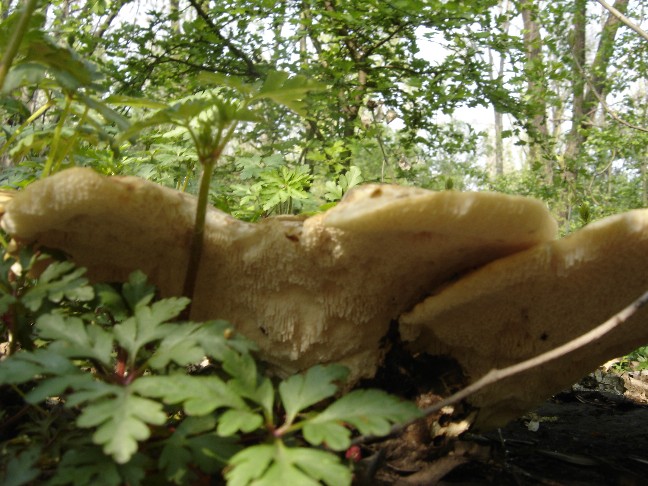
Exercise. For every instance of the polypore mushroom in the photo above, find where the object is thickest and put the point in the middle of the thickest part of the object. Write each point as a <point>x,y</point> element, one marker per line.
<point>522,305</point>
<point>316,290</point>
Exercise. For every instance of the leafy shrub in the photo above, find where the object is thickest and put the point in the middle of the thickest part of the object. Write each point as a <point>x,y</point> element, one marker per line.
<point>102,385</point>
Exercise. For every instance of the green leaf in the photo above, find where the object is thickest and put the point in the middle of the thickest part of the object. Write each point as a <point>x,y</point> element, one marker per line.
<point>234,420</point>
<point>6,300</point>
<point>121,421</point>
<point>218,338</point>
<point>235,82</point>
<point>350,178</point>
<point>302,391</point>
<point>24,366</point>
<point>112,301</point>
<point>290,92</point>
<point>181,345</point>
<point>57,385</point>
<point>21,468</point>
<point>108,113</point>
<point>75,338</point>
<point>68,69</point>
<point>370,411</point>
<point>250,464</point>
<point>199,395</point>
<point>59,280</point>
<point>147,325</point>
<point>24,74</point>
<point>135,102</point>
<point>246,380</point>
<point>269,465</point>
<point>335,191</point>
<point>92,391</point>
<point>88,465</point>
<point>195,443</point>
<point>137,291</point>
<point>320,465</point>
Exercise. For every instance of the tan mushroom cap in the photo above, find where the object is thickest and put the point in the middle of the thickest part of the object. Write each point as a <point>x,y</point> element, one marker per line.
<point>323,289</point>
<point>520,306</point>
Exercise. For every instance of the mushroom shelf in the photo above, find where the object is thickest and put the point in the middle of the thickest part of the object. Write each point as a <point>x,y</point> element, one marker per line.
<point>479,277</point>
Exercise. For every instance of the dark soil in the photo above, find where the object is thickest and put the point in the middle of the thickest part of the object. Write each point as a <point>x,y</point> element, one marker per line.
<point>592,434</point>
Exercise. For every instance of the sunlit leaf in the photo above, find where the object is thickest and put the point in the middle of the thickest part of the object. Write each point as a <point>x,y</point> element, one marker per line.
<point>199,395</point>
<point>302,391</point>
<point>369,411</point>
<point>76,338</point>
<point>121,422</point>
<point>233,421</point>
<point>274,464</point>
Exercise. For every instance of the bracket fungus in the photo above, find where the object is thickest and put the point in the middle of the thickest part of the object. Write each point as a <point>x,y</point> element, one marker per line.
<point>520,306</point>
<point>476,276</point>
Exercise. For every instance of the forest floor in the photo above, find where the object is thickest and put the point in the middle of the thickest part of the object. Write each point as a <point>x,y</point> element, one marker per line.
<point>594,433</point>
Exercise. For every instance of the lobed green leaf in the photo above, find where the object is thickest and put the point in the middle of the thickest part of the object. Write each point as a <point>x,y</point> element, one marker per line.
<point>25,366</point>
<point>147,325</point>
<point>59,280</point>
<point>370,411</point>
<point>302,391</point>
<point>234,420</point>
<point>199,395</point>
<point>121,422</point>
<point>267,465</point>
<point>75,338</point>
<point>89,465</point>
<point>180,345</point>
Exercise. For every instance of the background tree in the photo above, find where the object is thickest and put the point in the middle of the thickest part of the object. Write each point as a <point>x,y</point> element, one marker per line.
<point>564,79</point>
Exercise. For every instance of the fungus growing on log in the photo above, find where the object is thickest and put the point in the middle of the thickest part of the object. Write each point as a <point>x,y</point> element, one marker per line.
<point>522,305</point>
<point>478,277</point>
<point>316,290</point>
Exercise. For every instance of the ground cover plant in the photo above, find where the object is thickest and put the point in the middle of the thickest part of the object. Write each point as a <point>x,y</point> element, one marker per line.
<point>115,393</point>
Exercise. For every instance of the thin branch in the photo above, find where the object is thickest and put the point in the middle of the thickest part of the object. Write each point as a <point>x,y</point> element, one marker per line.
<point>616,117</point>
<point>604,105</point>
<point>496,375</point>
<point>252,69</point>
<point>624,19</point>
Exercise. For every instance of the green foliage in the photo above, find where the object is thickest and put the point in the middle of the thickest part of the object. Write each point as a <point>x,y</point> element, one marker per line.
<point>336,189</point>
<point>109,367</point>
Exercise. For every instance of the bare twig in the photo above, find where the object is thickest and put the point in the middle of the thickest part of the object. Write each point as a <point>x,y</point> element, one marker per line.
<point>495,375</point>
<point>252,68</point>
<point>604,104</point>
<point>616,117</point>
<point>624,19</point>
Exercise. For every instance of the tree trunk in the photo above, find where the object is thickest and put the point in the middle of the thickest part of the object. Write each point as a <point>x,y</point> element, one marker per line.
<point>498,119</point>
<point>536,91</point>
<point>587,102</point>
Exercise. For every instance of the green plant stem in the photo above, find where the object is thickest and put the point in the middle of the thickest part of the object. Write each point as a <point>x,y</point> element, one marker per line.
<point>16,40</point>
<point>198,235</point>
<point>56,139</point>
<point>29,120</point>
<point>71,142</point>
<point>22,395</point>
<point>208,162</point>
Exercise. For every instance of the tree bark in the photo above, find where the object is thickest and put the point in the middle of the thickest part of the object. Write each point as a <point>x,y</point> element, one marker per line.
<point>588,101</point>
<point>536,90</point>
<point>498,118</point>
